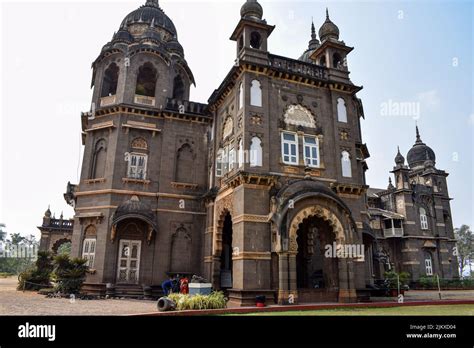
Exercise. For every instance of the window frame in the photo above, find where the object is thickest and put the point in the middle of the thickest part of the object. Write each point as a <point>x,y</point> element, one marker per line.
<point>241,99</point>
<point>311,147</point>
<point>289,155</point>
<point>342,166</point>
<point>429,265</point>
<point>219,171</point>
<point>232,159</point>
<point>130,166</point>
<point>423,219</point>
<point>256,160</point>
<point>90,256</point>
<point>256,95</point>
<point>339,118</point>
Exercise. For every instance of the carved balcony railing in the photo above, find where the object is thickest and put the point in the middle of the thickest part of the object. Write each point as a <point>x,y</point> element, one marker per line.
<point>298,67</point>
<point>185,107</point>
<point>107,101</point>
<point>144,100</point>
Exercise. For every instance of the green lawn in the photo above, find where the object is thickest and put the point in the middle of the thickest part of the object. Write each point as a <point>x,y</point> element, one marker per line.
<point>415,310</point>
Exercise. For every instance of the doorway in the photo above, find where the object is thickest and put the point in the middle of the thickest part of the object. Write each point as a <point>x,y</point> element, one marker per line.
<point>128,261</point>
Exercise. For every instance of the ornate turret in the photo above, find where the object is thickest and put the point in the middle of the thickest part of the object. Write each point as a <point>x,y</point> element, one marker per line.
<point>328,30</point>
<point>251,10</point>
<point>312,46</point>
<point>420,153</point>
<point>399,159</point>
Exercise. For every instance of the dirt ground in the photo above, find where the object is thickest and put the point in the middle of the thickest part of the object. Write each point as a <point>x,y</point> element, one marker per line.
<point>13,302</point>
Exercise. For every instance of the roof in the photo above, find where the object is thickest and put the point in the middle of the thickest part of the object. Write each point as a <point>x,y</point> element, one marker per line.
<point>373,192</point>
<point>386,214</point>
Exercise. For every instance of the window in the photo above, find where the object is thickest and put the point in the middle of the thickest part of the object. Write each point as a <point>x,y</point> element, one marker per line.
<point>185,164</point>
<point>241,153</point>
<point>256,93</point>
<point>341,110</point>
<point>225,160</point>
<point>219,163</point>
<point>88,251</point>
<point>178,88</point>
<point>232,159</point>
<point>428,265</point>
<point>336,61</point>
<point>137,166</point>
<point>322,61</point>
<point>109,83</point>
<point>346,164</point>
<point>289,148</point>
<point>241,97</point>
<point>256,152</point>
<point>423,219</point>
<point>255,40</point>
<point>98,160</point>
<point>311,151</point>
<point>146,80</point>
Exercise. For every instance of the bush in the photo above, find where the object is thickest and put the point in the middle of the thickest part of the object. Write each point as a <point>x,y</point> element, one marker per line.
<point>215,300</point>
<point>427,282</point>
<point>69,274</point>
<point>392,278</point>
<point>38,276</point>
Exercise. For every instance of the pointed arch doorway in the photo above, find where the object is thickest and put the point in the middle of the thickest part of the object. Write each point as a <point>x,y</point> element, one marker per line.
<point>226,279</point>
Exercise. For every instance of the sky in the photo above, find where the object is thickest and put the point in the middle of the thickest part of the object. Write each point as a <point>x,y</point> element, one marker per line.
<point>415,53</point>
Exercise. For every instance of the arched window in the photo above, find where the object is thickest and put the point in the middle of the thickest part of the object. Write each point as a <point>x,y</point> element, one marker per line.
<point>99,160</point>
<point>346,164</point>
<point>219,162</point>
<point>139,144</point>
<point>241,96</point>
<point>336,61</point>
<point>423,219</point>
<point>185,164</point>
<point>241,153</point>
<point>428,264</point>
<point>109,83</point>
<point>256,152</point>
<point>146,80</point>
<point>256,93</point>
<point>322,61</point>
<point>181,251</point>
<point>178,88</point>
<point>341,110</point>
<point>255,40</point>
<point>88,246</point>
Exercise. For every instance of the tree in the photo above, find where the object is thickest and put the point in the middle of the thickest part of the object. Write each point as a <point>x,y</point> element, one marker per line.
<point>16,238</point>
<point>3,233</point>
<point>465,246</point>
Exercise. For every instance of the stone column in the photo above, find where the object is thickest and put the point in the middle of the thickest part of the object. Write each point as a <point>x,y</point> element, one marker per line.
<point>347,292</point>
<point>287,288</point>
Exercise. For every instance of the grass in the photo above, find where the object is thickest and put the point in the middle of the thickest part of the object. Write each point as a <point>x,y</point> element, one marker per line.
<point>438,310</point>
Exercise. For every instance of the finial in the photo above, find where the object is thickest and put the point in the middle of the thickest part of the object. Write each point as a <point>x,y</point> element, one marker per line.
<point>398,149</point>
<point>313,30</point>
<point>327,14</point>
<point>390,185</point>
<point>418,139</point>
<point>152,3</point>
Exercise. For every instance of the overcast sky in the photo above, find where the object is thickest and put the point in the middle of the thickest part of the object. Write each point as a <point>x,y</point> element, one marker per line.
<point>405,52</point>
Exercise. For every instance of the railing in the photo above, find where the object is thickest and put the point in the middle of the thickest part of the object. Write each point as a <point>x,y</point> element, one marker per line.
<point>109,100</point>
<point>66,224</point>
<point>298,67</point>
<point>185,107</point>
<point>392,232</point>
<point>144,100</point>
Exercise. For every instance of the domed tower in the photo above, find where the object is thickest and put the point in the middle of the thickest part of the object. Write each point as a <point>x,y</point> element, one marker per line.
<point>420,153</point>
<point>145,157</point>
<point>143,63</point>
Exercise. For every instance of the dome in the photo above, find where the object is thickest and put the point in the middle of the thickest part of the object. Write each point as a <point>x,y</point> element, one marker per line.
<point>399,159</point>
<point>151,14</point>
<point>420,153</point>
<point>251,9</point>
<point>123,35</point>
<point>328,30</point>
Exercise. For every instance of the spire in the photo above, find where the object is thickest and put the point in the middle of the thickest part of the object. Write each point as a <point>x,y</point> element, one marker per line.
<point>399,159</point>
<point>313,30</point>
<point>418,139</point>
<point>153,3</point>
<point>314,42</point>
<point>327,14</point>
<point>390,185</point>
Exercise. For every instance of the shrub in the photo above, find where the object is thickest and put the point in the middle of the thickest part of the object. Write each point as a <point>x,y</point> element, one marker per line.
<point>427,282</point>
<point>216,300</point>
<point>69,274</point>
<point>392,278</point>
<point>38,276</point>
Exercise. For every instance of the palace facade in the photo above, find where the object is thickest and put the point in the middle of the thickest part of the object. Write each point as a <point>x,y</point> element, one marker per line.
<point>250,189</point>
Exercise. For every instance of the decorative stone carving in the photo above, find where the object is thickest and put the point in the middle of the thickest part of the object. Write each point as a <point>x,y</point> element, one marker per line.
<point>139,143</point>
<point>228,127</point>
<point>298,115</point>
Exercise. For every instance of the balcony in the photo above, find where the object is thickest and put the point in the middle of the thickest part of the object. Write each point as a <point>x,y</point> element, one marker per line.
<point>107,101</point>
<point>392,228</point>
<point>144,100</point>
<point>393,232</point>
<point>298,67</point>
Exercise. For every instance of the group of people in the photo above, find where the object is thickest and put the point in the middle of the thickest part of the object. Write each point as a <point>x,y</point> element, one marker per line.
<point>176,284</point>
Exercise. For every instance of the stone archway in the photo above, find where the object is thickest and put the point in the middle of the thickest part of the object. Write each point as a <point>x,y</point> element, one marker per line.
<point>59,243</point>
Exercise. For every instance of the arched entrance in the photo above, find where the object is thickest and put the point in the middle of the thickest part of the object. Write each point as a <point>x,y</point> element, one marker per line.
<point>226,254</point>
<point>314,270</point>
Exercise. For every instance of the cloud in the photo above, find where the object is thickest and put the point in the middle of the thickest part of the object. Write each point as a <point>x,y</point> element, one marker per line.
<point>429,100</point>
